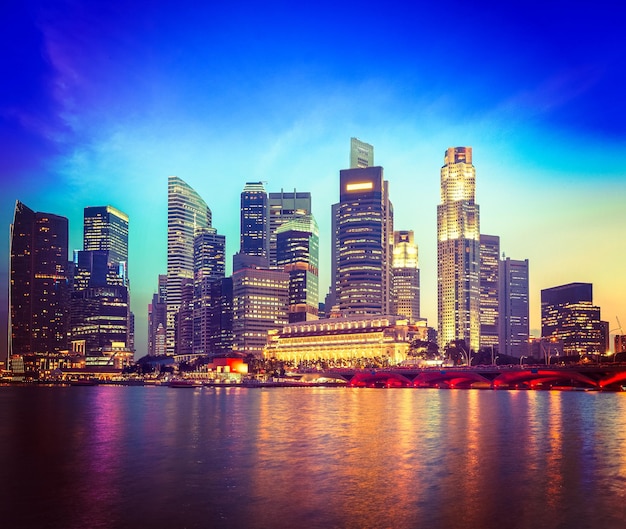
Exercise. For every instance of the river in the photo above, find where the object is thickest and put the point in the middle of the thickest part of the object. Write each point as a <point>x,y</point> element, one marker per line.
<point>122,457</point>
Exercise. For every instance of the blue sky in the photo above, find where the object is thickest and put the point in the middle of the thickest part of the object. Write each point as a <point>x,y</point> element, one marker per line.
<point>100,102</point>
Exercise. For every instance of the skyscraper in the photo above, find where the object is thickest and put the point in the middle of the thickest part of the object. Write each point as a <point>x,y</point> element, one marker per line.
<point>405,276</point>
<point>106,228</point>
<point>254,220</point>
<point>361,154</point>
<point>283,207</point>
<point>514,327</point>
<point>364,233</point>
<point>186,212</point>
<point>297,250</point>
<point>100,305</point>
<point>568,314</point>
<point>489,290</point>
<point>38,283</point>
<point>458,251</point>
<point>157,318</point>
<point>209,266</point>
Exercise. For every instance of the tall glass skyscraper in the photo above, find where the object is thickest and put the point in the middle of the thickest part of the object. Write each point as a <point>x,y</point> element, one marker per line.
<point>364,231</point>
<point>489,290</point>
<point>106,228</point>
<point>514,325</point>
<point>186,212</point>
<point>282,207</point>
<point>458,251</point>
<point>405,277</point>
<point>254,220</point>
<point>38,283</point>
<point>297,246</point>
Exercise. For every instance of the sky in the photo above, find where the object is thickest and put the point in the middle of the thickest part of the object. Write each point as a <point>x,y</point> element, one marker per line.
<point>101,101</point>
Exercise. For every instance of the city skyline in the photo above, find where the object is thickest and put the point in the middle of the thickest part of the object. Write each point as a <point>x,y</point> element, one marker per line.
<point>104,117</point>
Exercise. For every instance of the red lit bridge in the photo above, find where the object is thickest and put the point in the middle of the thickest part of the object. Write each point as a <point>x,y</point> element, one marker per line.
<point>607,377</point>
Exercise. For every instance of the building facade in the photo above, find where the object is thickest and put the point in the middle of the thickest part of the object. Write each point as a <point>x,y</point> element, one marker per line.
<point>254,236</point>
<point>297,249</point>
<point>364,229</point>
<point>186,212</point>
<point>157,319</point>
<point>568,315</point>
<point>38,282</point>
<point>458,251</point>
<point>282,207</point>
<point>405,276</point>
<point>489,290</point>
<point>514,327</point>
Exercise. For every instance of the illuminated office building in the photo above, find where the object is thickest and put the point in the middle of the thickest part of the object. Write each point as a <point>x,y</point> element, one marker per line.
<point>458,251</point>
<point>38,282</point>
<point>186,212</point>
<point>282,207</point>
<point>405,276</point>
<point>364,231</point>
<point>514,326</point>
<point>297,250</point>
<point>157,319</point>
<point>209,267</point>
<point>254,237</point>
<point>361,154</point>
<point>568,315</point>
<point>489,290</point>
<point>260,299</point>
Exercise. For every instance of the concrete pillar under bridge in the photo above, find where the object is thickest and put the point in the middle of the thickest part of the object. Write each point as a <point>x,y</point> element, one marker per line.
<point>605,377</point>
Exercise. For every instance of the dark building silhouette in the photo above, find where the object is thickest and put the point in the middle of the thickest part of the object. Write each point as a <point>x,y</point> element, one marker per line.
<point>38,285</point>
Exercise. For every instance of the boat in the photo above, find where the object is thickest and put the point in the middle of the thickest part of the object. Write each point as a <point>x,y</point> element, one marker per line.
<point>184,383</point>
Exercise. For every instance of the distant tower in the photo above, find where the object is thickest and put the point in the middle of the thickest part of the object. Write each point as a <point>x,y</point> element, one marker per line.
<point>514,327</point>
<point>297,251</point>
<point>186,212</point>
<point>458,251</point>
<point>38,283</point>
<point>568,314</point>
<point>489,289</point>
<point>364,231</point>
<point>254,220</point>
<point>209,267</point>
<point>157,318</point>
<point>282,207</point>
<point>406,276</point>
<point>361,154</point>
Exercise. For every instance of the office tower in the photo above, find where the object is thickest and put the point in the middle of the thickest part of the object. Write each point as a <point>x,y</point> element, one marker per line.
<point>283,207</point>
<point>100,302</point>
<point>489,285</point>
<point>38,283</point>
<point>183,320</point>
<point>186,212</point>
<point>106,228</point>
<point>254,239</point>
<point>260,298</point>
<point>361,154</point>
<point>157,318</point>
<point>209,266</point>
<point>364,239</point>
<point>568,314</point>
<point>220,321</point>
<point>458,251</point>
<point>297,250</point>
<point>405,276</point>
<point>514,327</point>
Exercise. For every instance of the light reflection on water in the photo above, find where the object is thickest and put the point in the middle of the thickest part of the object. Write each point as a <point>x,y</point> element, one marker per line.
<point>318,457</point>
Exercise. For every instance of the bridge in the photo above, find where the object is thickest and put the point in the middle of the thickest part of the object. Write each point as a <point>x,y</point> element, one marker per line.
<point>606,377</point>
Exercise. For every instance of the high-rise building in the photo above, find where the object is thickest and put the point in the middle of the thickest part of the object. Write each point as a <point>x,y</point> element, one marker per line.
<point>458,251</point>
<point>260,299</point>
<point>568,314</point>
<point>254,238</point>
<point>186,212</point>
<point>514,327</point>
<point>297,250</point>
<point>38,283</point>
<point>489,285</point>
<point>283,207</point>
<point>106,228</point>
<point>364,229</point>
<point>157,319</point>
<point>361,154</point>
<point>100,305</point>
<point>209,266</point>
<point>405,276</point>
